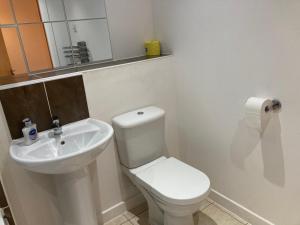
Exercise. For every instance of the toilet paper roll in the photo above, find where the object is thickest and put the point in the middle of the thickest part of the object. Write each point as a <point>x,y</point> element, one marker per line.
<point>257,114</point>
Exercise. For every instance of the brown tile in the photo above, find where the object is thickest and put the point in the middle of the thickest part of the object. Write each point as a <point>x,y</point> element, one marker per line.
<point>67,99</point>
<point>8,216</point>
<point>27,101</point>
<point>3,202</point>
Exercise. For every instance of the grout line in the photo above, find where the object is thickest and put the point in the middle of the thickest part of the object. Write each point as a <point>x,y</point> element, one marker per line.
<point>17,28</point>
<point>210,200</point>
<point>231,214</point>
<point>143,212</point>
<point>125,222</point>
<point>112,221</point>
<point>210,203</point>
<point>135,216</point>
<point>128,218</point>
<point>48,100</point>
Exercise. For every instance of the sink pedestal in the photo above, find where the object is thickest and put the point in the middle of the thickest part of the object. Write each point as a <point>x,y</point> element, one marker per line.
<point>78,146</point>
<point>74,194</point>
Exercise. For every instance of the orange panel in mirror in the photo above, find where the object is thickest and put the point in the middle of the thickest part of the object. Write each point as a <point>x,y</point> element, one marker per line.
<point>26,11</point>
<point>36,47</point>
<point>6,16</point>
<point>12,49</point>
<point>5,67</point>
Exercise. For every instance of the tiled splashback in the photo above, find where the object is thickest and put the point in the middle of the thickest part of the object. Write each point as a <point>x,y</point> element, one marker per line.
<point>27,101</point>
<point>67,99</point>
<point>64,98</point>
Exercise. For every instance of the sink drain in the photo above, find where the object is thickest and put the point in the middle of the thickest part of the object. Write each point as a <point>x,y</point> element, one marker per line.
<point>62,142</point>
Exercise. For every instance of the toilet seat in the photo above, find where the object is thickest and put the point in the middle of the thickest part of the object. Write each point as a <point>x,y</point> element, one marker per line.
<point>173,181</point>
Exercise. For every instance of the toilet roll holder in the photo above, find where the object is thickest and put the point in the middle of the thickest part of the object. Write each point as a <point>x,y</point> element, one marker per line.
<point>275,106</point>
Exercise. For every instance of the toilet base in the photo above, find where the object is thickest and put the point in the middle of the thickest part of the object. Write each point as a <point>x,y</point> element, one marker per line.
<point>162,215</point>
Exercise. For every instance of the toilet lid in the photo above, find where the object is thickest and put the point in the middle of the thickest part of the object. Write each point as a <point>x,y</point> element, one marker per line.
<point>175,182</point>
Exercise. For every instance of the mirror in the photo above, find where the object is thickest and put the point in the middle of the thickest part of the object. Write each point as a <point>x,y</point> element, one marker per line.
<point>36,46</point>
<point>52,34</point>
<point>12,59</point>
<point>6,16</point>
<point>26,11</point>
<point>88,9</point>
<point>51,10</point>
<point>91,40</point>
<point>58,40</point>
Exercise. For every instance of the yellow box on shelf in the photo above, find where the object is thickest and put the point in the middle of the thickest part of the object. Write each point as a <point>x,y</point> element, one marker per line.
<point>152,48</point>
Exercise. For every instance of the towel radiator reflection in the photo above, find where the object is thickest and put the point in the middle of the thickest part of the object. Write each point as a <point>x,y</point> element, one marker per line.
<point>78,54</point>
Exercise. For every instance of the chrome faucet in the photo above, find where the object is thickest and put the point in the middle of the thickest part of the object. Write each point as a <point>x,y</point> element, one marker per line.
<point>57,129</point>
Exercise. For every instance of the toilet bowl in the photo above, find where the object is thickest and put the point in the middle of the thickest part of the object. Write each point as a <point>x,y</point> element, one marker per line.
<point>173,189</point>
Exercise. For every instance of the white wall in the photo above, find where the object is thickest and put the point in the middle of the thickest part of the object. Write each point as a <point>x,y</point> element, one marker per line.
<point>226,51</point>
<point>130,23</point>
<point>110,92</point>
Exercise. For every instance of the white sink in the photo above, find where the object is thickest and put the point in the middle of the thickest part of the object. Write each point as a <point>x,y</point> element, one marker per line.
<point>66,157</point>
<point>80,144</point>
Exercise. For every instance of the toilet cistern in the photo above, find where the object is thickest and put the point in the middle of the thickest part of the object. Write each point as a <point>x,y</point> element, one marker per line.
<point>173,189</point>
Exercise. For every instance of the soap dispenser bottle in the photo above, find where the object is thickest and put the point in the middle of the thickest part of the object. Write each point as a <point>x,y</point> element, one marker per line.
<point>30,132</point>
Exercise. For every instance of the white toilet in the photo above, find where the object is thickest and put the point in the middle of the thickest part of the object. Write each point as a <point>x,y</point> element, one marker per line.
<point>173,189</point>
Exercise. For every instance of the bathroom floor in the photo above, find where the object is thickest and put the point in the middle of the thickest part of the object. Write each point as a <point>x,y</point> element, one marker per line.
<point>210,214</point>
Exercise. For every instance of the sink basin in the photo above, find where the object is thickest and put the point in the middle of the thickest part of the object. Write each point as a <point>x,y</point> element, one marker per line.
<point>66,157</point>
<point>80,143</point>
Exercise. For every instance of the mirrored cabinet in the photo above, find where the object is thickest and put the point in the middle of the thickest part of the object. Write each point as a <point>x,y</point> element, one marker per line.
<point>42,35</point>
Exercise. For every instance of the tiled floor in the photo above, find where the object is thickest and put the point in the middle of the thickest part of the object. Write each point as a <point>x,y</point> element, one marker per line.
<point>210,213</point>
